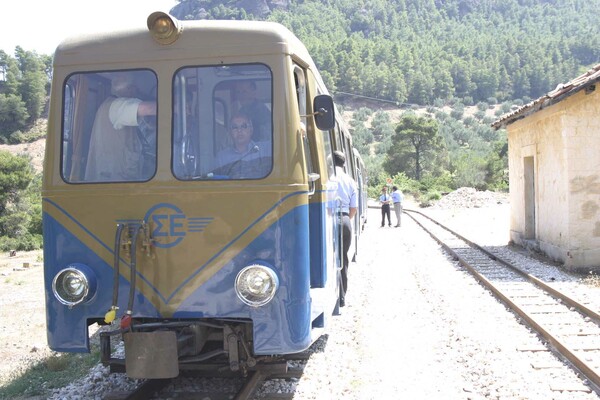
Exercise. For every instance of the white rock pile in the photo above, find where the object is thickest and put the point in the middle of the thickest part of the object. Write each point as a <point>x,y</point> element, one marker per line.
<point>466,197</point>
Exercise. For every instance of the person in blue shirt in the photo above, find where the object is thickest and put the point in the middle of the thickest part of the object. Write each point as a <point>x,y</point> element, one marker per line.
<point>347,194</point>
<point>245,159</point>
<point>385,199</point>
<point>397,200</point>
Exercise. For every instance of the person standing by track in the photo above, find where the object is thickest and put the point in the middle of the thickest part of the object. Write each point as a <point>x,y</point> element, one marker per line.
<point>385,199</point>
<point>397,200</point>
<point>347,194</point>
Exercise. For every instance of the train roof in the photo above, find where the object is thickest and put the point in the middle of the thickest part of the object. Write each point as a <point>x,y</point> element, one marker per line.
<point>208,38</point>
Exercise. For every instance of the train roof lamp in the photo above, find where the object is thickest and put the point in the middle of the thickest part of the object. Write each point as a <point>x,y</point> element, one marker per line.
<point>164,28</point>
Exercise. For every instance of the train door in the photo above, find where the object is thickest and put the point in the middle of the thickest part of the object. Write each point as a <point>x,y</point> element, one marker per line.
<point>316,211</point>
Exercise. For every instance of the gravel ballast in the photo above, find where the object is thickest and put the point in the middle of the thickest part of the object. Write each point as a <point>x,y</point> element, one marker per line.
<point>417,326</point>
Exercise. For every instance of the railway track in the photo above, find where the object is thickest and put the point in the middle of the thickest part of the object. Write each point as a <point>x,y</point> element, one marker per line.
<point>213,384</point>
<point>570,327</point>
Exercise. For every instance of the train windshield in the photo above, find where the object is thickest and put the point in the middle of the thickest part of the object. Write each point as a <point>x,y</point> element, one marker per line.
<point>223,124</point>
<point>109,127</point>
<point>221,118</point>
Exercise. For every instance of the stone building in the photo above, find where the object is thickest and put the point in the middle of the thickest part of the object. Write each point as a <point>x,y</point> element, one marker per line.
<point>554,172</point>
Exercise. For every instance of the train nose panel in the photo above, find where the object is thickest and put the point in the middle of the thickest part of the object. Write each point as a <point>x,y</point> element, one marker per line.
<point>151,355</point>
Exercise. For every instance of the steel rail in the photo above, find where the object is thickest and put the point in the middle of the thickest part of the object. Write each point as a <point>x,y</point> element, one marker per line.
<point>553,291</point>
<point>556,344</point>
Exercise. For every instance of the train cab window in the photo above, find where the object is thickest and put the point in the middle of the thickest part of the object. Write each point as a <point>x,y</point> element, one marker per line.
<point>109,127</point>
<point>301,93</point>
<point>223,122</point>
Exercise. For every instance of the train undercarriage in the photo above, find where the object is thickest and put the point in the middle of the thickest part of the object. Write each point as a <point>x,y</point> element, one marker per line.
<point>158,349</point>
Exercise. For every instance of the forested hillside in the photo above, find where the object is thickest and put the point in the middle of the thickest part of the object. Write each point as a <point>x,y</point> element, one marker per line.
<point>431,74</point>
<point>417,51</point>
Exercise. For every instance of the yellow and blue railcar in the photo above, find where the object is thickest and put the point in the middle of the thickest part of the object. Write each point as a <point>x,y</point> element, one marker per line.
<point>152,225</point>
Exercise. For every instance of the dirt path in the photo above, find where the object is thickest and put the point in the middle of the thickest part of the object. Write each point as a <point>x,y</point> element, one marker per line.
<point>23,328</point>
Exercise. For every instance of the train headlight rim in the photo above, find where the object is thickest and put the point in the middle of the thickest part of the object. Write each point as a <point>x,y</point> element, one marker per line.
<point>256,285</point>
<point>75,291</point>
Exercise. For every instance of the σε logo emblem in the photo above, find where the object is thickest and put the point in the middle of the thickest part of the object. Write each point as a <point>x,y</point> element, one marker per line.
<point>170,225</point>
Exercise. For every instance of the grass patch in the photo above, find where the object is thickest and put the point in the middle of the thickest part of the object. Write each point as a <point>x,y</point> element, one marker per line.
<point>53,372</point>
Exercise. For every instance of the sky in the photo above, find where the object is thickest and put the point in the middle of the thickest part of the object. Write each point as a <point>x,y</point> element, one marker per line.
<point>51,21</point>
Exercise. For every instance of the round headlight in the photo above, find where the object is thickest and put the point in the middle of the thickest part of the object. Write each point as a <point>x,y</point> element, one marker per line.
<point>71,286</point>
<point>256,285</point>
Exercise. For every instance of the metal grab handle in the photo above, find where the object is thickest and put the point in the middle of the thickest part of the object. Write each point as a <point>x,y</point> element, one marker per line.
<point>112,312</point>
<point>132,278</point>
<point>338,207</point>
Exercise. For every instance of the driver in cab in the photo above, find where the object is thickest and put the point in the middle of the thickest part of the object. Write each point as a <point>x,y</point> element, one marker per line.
<point>245,158</point>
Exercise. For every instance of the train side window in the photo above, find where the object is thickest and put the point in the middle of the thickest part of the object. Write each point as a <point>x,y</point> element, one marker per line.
<point>328,153</point>
<point>349,166</point>
<point>109,127</point>
<point>233,135</point>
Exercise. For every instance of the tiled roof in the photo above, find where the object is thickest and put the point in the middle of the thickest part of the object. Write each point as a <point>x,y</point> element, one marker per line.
<point>584,81</point>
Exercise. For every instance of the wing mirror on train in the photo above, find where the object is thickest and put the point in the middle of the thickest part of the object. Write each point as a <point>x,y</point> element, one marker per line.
<point>324,112</point>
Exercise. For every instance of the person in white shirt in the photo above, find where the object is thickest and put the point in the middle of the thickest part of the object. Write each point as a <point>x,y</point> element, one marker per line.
<point>122,146</point>
<point>347,194</point>
<point>397,199</point>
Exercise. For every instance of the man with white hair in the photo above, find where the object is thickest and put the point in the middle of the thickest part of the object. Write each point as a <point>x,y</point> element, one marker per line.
<point>127,109</point>
<point>397,198</point>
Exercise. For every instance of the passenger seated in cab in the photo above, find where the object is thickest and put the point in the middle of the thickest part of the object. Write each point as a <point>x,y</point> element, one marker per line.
<point>250,105</point>
<point>245,158</point>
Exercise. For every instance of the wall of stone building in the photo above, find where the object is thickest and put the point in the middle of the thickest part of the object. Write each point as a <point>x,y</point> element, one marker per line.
<point>539,137</point>
<point>563,141</point>
<point>582,130</point>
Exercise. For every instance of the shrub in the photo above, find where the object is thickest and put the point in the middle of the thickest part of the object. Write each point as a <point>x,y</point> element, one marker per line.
<point>25,242</point>
<point>482,106</point>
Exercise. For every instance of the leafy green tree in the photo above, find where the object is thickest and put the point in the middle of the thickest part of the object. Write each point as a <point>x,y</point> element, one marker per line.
<point>383,146</point>
<point>421,87</point>
<point>444,86</point>
<point>497,166</point>
<point>469,170</point>
<point>362,114</point>
<point>32,85</point>
<point>13,116</point>
<point>15,175</point>
<point>416,139</point>
<point>382,125</point>
<point>31,202</point>
<point>20,204</point>
<point>10,69</point>
<point>24,84</point>
<point>362,138</point>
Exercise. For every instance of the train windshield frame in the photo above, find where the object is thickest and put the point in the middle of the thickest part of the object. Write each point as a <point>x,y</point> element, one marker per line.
<point>227,132</point>
<point>104,139</point>
<point>222,124</point>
